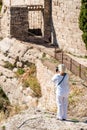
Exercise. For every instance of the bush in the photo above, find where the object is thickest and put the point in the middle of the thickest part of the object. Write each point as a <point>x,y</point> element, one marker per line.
<point>4,101</point>
<point>0,5</point>
<point>83,1</point>
<point>84,37</point>
<point>20,71</point>
<point>83,21</point>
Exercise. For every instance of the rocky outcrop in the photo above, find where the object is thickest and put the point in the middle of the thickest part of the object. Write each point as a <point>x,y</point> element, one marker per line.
<point>44,76</point>
<point>40,120</point>
<point>41,113</point>
<point>18,53</point>
<point>13,52</point>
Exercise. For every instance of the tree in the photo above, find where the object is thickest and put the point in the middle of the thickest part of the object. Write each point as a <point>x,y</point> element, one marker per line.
<point>83,20</point>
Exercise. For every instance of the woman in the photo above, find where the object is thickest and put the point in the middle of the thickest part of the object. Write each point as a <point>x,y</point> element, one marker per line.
<point>61,81</point>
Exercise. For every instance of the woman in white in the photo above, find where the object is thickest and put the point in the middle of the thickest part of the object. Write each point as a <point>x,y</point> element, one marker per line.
<point>61,81</point>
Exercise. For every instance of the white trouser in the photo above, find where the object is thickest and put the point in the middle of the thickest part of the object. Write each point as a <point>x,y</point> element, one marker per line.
<point>62,104</point>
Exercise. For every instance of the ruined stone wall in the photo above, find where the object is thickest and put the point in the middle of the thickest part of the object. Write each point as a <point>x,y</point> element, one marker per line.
<point>22,2</point>
<point>19,22</point>
<point>20,19</point>
<point>66,32</point>
<point>44,76</point>
<point>47,20</point>
<point>5,22</point>
<point>63,30</point>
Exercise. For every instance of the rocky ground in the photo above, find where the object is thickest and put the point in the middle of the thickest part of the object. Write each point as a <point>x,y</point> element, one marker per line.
<point>40,120</point>
<point>35,118</point>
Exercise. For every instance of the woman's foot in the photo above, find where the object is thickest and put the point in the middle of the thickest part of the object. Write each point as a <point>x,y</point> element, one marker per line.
<point>61,119</point>
<point>64,119</point>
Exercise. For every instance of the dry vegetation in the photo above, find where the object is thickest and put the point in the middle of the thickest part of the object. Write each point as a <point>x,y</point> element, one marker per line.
<point>28,78</point>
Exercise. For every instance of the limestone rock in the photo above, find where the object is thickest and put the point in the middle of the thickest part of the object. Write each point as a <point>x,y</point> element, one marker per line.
<point>40,120</point>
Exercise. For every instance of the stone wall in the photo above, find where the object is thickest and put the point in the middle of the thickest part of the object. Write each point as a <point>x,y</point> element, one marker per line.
<point>44,75</point>
<point>63,30</point>
<point>66,32</point>
<point>19,22</point>
<point>22,2</point>
<point>47,20</point>
<point>22,20</point>
<point>5,21</point>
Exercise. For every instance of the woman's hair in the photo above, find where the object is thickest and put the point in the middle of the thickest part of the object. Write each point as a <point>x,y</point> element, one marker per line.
<point>61,68</point>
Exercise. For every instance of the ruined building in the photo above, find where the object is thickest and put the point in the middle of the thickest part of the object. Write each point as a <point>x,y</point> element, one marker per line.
<point>54,21</point>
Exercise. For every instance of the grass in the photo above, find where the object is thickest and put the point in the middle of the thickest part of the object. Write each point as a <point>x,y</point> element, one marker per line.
<point>3,128</point>
<point>51,59</point>
<point>75,120</point>
<point>32,82</point>
<point>8,65</point>
<point>29,79</point>
<point>20,71</point>
<point>74,96</point>
<point>78,56</point>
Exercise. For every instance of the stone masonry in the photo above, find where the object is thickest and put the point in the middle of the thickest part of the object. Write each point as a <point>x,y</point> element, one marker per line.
<point>66,30</point>
<point>19,22</point>
<point>59,22</point>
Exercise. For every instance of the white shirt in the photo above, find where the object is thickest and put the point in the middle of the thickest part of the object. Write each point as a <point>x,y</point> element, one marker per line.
<point>63,88</point>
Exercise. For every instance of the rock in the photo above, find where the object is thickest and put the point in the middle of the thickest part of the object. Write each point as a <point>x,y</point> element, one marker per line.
<point>8,73</point>
<point>17,50</point>
<point>5,45</point>
<point>32,119</point>
<point>28,91</point>
<point>15,70</point>
<point>19,64</point>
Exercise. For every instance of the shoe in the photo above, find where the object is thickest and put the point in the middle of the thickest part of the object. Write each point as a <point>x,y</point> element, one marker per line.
<point>64,119</point>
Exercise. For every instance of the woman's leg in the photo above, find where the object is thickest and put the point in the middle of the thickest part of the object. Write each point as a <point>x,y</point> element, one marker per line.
<point>65,105</point>
<point>59,107</point>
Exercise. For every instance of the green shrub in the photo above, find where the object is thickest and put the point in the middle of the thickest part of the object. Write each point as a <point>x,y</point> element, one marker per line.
<point>84,37</point>
<point>83,21</point>
<point>83,1</point>
<point>20,71</point>
<point>3,128</point>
